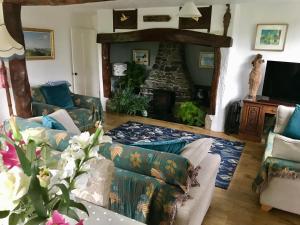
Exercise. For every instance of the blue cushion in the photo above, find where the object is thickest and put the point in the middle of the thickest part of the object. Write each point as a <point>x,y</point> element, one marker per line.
<point>171,146</point>
<point>292,130</point>
<point>52,123</point>
<point>58,95</point>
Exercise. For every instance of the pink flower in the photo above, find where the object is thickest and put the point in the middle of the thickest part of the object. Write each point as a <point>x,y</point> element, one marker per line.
<point>58,219</point>
<point>80,222</point>
<point>10,157</point>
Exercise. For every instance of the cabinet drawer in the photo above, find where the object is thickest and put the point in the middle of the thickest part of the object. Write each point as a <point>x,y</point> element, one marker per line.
<point>270,109</point>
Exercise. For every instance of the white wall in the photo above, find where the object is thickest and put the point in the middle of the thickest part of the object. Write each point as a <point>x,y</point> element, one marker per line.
<point>59,20</point>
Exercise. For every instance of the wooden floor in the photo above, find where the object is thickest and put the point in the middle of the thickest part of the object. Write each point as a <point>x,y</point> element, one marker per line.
<point>237,205</point>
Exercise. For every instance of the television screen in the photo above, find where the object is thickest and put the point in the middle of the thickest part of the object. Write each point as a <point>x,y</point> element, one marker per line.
<point>282,81</point>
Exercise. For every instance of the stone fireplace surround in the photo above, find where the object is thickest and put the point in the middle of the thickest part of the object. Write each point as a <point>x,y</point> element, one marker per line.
<point>220,44</point>
<point>169,73</point>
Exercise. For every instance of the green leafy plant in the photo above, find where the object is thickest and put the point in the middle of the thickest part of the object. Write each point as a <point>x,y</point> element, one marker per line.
<point>126,101</point>
<point>135,77</point>
<point>191,114</point>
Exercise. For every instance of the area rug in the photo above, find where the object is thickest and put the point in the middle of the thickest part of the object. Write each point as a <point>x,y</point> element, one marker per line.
<point>230,151</point>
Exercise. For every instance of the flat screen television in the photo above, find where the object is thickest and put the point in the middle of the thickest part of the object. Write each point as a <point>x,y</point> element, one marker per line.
<point>282,81</point>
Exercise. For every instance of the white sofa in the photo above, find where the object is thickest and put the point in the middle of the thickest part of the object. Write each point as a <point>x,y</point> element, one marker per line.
<point>282,193</point>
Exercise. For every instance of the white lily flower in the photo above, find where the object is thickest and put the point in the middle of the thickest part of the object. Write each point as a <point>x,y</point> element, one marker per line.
<point>36,134</point>
<point>14,184</point>
<point>80,141</point>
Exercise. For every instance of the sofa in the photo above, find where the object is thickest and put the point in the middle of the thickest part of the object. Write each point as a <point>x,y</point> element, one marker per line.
<point>278,181</point>
<point>189,211</point>
<point>86,111</point>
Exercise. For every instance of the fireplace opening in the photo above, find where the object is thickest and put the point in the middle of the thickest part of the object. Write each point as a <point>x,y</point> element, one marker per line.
<point>179,78</point>
<point>162,104</point>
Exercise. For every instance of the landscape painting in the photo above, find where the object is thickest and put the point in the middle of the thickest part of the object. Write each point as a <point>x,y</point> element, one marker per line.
<point>39,44</point>
<point>270,37</point>
<point>206,60</point>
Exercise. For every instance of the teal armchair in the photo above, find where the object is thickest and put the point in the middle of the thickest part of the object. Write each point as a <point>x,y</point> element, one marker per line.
<point>86,112</point>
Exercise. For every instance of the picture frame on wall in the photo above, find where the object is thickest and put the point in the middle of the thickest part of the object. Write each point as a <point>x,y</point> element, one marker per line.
<point>270,37</point>
<point>39,44</point>
<point>207,60</point>
<point>141,57</point>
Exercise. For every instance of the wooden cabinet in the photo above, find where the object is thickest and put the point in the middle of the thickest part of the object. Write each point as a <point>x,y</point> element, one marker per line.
<point>253,117</point>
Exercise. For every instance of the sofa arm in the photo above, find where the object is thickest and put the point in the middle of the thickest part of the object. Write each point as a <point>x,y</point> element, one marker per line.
<point>40,109</point>
<point>92,103</point>
<point>286,148</point>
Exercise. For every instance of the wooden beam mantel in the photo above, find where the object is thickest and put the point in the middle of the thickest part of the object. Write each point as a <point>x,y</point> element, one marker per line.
<point>52,2</point>
<point>167,34</point>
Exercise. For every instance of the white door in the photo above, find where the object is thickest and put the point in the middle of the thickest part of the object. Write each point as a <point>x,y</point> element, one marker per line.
<point>85,62</point>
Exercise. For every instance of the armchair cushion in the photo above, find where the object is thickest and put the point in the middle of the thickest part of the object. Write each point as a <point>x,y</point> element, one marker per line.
<point>58,95</point>
<point>292,129</point>
<point>286,148</point>
<point>283,116</point>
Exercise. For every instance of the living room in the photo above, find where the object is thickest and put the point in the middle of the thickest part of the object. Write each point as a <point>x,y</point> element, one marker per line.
<point>87,42</point>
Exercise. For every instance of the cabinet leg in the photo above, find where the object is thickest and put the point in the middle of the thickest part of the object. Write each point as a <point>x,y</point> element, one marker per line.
<point>266,208</point>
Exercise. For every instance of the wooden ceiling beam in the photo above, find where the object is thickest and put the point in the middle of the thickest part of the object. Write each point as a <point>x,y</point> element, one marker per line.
<point>167,34</point>
<point>52,2</point>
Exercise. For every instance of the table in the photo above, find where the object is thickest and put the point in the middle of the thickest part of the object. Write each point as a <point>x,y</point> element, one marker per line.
<point>102,216</point>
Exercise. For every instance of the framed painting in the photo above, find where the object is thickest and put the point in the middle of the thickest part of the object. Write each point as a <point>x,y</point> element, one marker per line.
<point>141,57</point>
<point>206,60</point>
<point>39,44</point>
<point>270,37</point>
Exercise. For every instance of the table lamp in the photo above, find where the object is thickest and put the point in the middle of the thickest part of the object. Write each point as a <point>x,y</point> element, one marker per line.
<point>9,49</point>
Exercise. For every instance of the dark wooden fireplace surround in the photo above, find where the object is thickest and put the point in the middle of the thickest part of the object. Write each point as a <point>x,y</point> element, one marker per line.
<point>161,35</point>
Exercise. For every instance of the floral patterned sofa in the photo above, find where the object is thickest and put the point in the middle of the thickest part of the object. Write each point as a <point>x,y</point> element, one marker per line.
<point>86,112</point>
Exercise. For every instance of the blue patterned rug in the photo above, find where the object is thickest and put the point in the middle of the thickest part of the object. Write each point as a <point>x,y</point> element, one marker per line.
<point>230,151</point>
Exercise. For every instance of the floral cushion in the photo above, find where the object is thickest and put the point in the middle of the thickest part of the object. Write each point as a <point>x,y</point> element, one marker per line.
<point>167,167</point>
<point>82,117</point>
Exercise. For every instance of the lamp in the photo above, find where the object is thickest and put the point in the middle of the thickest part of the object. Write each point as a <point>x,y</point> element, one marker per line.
<point>119,69</point>
<point>190,10</point>
<point>9,49</point>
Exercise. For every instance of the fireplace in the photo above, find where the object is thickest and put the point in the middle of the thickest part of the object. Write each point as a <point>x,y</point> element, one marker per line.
<point>220,43</point>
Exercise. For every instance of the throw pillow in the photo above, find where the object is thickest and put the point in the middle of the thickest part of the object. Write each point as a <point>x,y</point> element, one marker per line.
<point>171,146</point>
<point>52,123</point>
<point>292,130</point>
<point>94,186</point>
<point>58,95</point>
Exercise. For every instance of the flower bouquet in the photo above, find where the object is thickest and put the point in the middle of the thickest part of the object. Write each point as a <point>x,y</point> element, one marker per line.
<point>35,183</point>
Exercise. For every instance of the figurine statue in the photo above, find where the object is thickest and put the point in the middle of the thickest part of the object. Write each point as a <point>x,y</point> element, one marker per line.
<point>255,76</point>
<point>226,20</point>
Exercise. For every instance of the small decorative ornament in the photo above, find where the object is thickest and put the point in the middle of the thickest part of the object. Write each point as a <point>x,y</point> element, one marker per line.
<point>255,76</point>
